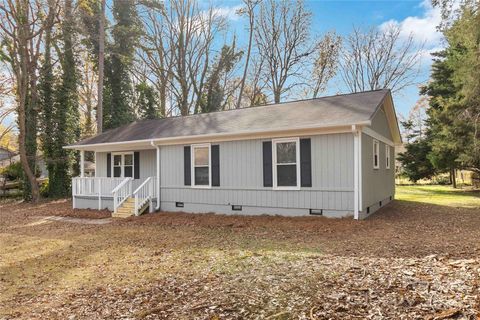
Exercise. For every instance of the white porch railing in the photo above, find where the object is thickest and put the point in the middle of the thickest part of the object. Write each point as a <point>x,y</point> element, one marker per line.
<point>121,193</point>
<point>144,194</point>
<point>119,189</point>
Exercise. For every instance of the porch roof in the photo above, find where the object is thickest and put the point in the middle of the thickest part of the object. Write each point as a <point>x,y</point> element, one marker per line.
<point>326,112</point>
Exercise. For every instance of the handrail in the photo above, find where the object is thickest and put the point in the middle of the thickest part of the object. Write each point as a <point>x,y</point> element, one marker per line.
<point>143,194</point>
<point>121,185</point>
<point>121,193</point>
<point>141,186</point>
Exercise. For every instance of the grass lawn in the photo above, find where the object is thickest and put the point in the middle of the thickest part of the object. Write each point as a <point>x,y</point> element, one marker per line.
<point>410,260</point>
<point>439,195</point>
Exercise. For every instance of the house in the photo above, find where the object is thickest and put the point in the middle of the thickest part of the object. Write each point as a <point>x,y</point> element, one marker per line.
<point>331,156</point>
<point>6,154</point>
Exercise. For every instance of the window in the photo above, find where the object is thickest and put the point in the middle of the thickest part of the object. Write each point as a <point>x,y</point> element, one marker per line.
<point>201,165</point>
<point>286,168</point>
<point>387,156</point>
<point>376,152</point>
<point>122,165</point>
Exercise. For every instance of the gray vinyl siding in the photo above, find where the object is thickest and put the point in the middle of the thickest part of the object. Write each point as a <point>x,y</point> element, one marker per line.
<point>241,178</point>
<point>148,163</point>
<point>380,124</point>
<point>377,184</point>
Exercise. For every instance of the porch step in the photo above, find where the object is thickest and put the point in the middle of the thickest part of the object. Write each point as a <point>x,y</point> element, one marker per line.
<point>127,209</point>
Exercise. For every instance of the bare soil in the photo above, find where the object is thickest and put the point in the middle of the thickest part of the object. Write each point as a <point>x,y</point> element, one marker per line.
<point>409,260</point>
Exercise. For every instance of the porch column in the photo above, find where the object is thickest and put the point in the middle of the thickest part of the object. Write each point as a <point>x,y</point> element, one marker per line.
<point>82,163</point>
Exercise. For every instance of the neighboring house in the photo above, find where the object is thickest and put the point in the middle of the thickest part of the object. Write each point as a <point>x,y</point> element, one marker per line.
<point>41,166</point>
<point>331,156</point>
<point>5,154</point>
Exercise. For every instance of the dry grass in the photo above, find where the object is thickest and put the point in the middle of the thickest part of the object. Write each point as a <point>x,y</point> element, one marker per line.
<point>410,260</point>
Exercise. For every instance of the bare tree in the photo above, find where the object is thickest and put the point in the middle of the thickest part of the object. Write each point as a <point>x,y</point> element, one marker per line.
<point>283,38</point>
<point>254,95</point>
<point>248,10</point>
<point>379,59</point>
<point>155,56</point>
<point>326,62</point>
<point>23,23</point>
<point>178,49</point>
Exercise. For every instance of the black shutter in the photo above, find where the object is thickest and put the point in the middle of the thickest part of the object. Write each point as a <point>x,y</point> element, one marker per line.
<point>136,165</point>
<point>267,164</point>
<point>305,163</point>
<point>109,165</point>
<point>215,165</point>
<point>186,166</point>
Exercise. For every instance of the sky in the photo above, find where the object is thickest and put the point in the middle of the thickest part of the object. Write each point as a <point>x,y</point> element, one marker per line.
<point>418,18</point>
<point>414,17</point>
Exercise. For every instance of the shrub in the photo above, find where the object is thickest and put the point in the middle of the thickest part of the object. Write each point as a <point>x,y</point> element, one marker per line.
<point>44,189</point>
<point>13,171</point>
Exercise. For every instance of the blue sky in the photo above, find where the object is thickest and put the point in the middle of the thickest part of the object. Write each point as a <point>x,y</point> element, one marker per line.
<point>414,17</point>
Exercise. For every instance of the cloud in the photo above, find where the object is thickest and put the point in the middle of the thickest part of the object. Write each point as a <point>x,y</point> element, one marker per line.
<point>229,13</point>
<point>423,28</point>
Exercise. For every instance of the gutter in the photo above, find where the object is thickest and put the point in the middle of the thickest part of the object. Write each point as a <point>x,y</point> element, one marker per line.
<point>157,207</point>
<point>216,135</point>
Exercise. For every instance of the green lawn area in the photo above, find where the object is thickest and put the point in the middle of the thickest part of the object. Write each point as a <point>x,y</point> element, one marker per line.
<point>439,195</point>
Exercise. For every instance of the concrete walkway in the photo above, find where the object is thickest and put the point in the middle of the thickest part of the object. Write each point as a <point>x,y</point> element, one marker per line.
<point>77,220</point>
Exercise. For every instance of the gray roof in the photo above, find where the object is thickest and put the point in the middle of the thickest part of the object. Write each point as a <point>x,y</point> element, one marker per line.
<point>339,110</point>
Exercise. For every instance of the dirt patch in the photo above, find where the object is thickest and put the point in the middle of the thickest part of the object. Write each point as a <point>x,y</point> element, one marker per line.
<point>407,261</point>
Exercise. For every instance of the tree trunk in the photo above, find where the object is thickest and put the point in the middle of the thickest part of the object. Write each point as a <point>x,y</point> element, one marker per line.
<point>101,59</point>
<point>23,74</point>
<point>454,179</point>
<point>247,59</point>
<point>276,96</point>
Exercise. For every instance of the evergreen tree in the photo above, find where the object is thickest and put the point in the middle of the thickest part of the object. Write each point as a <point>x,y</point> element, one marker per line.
<point>453,116</point>
<point>118,92</point>
<point>213,99</point>
<point>146,102</point>
<point>415,162</point>
<point>67,114</point>
<point>47,108</point>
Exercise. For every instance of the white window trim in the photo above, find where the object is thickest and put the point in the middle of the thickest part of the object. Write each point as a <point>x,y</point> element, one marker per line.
<point>274,162</point>
<point>122,171</point>
<point>376,151</point>
<point>192,165</point>
<point>387,156</point>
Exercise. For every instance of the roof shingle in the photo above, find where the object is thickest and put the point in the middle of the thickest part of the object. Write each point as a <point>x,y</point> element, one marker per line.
<point>329,111</point>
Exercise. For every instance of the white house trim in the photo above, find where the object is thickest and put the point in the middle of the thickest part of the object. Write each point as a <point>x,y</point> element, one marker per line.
<point>192,165</point>
<point>356,172</point>
<point>82,163</point>
<point>158,181</point>
<point>377,136</point>
<point>216,137</point>
<point>274,163</point>
<point>122,172</point>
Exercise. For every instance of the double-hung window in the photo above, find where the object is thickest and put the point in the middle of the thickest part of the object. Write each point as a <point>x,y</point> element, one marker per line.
<point>376,154</point>
<point>387,156</point>
<point>122,165</point>
<point>201,168</point>
<point>286,164</point>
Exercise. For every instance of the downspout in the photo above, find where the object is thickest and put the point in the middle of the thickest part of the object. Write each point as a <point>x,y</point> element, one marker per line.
<point>356,171</point>
<point>158,175</point>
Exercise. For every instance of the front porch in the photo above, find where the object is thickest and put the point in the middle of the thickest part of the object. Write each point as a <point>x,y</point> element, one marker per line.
<point>123,196</point>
